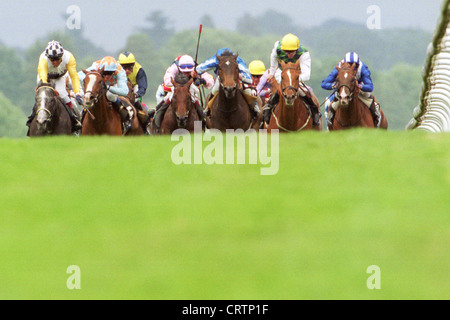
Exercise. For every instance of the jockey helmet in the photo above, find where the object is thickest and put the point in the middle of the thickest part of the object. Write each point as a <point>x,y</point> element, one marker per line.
<point>290,42</point>
<point>351,57</point>
<point>257,67</point>
<point>54,50</point>
<point>108,64</point>
<point>186,63</point>
<point>126,58</point>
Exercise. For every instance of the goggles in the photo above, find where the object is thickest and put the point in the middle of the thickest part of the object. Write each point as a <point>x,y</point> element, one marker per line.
<point>108,73</point>
<point>186,66</point>
<point>55,58</point>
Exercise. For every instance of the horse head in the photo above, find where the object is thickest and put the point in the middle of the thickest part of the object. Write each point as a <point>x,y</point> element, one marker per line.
<point>290,81</point>
<point>46,100</point>
<point>181,100</point>
<point>94,87</point>
<point>228,73</point>
<point>346,83</point>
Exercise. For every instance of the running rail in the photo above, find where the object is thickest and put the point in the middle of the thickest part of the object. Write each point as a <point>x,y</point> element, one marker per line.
<point>433,112</point>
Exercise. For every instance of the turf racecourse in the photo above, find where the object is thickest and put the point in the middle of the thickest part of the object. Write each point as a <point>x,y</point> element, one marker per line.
<point>140,227</point>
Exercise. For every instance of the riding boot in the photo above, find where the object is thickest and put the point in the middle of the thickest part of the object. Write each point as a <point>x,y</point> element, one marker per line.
<point>330,118</point>
<point>124,115</point>
<point>271,103</point>
<point>199,109</point>
<point>138,105</point>
<point>74,117</point>
<point>376,114</point>
<point>159,113</point>
<point>316,115</point>
<point>254,109</point>
<point>31,116</point>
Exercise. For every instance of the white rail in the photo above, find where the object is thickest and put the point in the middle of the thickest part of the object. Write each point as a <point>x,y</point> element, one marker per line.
<point>433,112</point>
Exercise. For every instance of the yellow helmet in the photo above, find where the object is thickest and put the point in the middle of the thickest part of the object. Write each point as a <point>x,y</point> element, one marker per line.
<point>126,58</point>
<point>290,42</point>
<point>257,67</point>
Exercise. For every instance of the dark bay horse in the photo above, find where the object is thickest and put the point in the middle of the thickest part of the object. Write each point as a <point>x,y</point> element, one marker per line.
<point>291,114</point>
<point>181,113</point>
<point>230,109</point>
<point>351,112</point>
<point>52,117</point>
<point>101,118</point>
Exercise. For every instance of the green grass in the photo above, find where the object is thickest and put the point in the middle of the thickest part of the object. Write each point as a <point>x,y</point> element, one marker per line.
<point>141,227</point>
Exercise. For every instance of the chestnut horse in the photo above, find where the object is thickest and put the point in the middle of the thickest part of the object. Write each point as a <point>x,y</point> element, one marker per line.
<point>52,117</point>
<point>101,118</point>
<point>351,112</point>
<point>181,112</point>
<point>230,109</point>
<point>291,114</point>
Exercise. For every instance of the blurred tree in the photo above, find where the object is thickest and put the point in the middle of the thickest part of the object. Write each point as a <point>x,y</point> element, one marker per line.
<point>12,119</point>
<point>207,21</point>
<point>160,29</point>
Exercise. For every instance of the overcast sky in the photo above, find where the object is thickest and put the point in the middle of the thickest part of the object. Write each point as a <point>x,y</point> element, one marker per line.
<point>108,23</point>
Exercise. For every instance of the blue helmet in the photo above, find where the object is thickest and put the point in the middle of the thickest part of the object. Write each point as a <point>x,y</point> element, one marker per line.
<point>352,57</point>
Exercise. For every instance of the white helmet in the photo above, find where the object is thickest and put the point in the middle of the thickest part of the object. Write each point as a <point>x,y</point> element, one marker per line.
<point>186,63</point>
<point>54,50</point>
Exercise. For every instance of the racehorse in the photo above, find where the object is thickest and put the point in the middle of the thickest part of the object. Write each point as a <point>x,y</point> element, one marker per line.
<point>230,109</point>
<point>52,117</point>
<point>291,114</point>
<point>100,117</point>
<point>351,112</point>
<point>181,112</point>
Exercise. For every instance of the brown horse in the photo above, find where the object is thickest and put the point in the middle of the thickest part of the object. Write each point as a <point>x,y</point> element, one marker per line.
<point>181,113</point>
<point>52,117</point>
<point>230,109</point>
<point>291,114</point>
<point>101,118</point>
<point>351,112</point>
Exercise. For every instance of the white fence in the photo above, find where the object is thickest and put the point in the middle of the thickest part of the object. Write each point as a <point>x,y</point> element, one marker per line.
<point>433,112</point>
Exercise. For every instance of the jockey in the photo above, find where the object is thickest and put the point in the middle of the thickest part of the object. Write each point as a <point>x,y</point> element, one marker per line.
<point>115,79</point>
<point>244,74</point>
<point>364,82</point>
<point>290,50</point>
<point>136,75</point>
<point>183,64</point>
<point>54,64</point>
<point>259,77</point>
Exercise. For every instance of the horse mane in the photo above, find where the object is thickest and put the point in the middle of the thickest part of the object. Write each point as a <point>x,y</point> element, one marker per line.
<point>45,84</point>
<point>181,78</point>
<point>227,53</point>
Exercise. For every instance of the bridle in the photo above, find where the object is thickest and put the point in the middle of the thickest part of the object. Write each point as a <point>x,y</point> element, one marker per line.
<point>187,86</point>
<point>356,90</point>
<point>353,82</point>
<point>295,89</point>
<point>44,108</point>
<point>95,98</point>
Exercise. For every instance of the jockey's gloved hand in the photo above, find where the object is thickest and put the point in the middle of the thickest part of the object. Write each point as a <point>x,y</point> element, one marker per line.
<point>79,99</point>
<point>199,81</point>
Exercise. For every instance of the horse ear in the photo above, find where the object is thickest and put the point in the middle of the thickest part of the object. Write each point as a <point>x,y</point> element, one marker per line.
<point>84,71</point>
<point>173,81</point>
<point>283,64</point>
<point>102,69</point>
<point>338,68</point>
<point>190,82</point>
